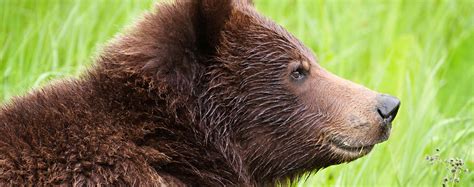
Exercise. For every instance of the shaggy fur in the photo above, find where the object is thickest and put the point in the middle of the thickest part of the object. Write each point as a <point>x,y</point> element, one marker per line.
<point>195,94</point>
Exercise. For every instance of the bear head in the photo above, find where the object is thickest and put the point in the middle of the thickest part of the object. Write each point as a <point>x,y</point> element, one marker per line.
<point>250,86</point>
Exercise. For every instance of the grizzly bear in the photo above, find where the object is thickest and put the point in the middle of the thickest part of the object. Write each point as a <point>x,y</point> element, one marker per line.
<point>197,93</point>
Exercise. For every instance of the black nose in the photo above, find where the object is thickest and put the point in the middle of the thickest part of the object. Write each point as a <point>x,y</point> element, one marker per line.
<point>387,106</point>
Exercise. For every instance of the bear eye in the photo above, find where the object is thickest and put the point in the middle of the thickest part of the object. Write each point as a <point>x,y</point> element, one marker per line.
<point>298,74</point>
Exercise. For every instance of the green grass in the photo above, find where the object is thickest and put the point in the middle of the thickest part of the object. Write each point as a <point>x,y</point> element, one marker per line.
<point>421,51</point>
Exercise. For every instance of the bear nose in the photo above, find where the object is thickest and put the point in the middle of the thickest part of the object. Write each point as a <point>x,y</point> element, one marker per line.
<point>387,106</point>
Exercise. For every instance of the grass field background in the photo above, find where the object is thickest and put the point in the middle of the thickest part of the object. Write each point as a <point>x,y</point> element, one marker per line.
<point>421,51</point>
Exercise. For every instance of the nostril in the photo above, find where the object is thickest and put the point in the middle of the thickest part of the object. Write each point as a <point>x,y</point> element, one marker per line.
<point>380,113</point>
<point>387,106</point>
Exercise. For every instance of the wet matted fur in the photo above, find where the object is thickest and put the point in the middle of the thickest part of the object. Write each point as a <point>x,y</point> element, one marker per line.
<point>205,93</point>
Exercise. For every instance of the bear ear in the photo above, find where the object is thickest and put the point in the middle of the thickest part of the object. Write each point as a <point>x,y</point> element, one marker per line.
<point>176,40</point>
<point>209,18</point>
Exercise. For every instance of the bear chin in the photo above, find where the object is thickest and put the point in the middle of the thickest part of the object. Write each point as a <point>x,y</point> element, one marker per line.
<point>346,152</point>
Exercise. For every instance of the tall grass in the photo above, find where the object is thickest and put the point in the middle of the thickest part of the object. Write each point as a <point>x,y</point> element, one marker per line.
<point>421,51</point>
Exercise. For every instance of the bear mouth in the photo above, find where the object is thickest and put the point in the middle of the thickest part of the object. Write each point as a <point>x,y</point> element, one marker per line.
<point>350,150</point>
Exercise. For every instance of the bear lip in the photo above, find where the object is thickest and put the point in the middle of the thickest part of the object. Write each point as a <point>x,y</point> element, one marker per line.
<point>347,147</point>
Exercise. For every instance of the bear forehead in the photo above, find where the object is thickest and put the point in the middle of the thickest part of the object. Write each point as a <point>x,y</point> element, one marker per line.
<point>253,29</point>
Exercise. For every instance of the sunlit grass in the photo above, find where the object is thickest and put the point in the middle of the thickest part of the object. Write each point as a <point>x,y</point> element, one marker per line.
<point>421,51</point>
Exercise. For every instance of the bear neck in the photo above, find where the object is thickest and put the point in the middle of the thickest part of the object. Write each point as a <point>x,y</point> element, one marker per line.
<point>194,155</point>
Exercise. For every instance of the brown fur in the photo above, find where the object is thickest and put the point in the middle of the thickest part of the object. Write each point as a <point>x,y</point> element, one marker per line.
<point>195,94</point>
